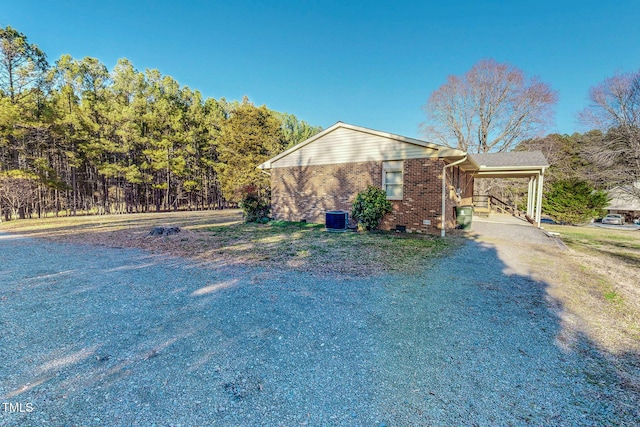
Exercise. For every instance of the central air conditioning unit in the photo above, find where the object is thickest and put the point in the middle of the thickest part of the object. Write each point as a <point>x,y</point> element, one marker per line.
<point>337,220</point>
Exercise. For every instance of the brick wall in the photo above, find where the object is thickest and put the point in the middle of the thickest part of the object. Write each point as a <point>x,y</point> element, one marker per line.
<point>307,192</point>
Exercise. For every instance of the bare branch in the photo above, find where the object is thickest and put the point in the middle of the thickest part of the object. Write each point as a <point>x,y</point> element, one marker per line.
<point>489,108</point>
<point>615,109</point>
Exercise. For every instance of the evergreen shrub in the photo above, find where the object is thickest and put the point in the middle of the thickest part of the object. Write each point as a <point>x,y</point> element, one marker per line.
<point>369,207</point>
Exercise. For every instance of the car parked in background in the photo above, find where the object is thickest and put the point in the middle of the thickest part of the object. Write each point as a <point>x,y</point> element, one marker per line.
<point>615,219</point>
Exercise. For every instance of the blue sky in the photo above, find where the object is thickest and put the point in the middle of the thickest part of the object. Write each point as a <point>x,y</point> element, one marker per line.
<point>368,63</point>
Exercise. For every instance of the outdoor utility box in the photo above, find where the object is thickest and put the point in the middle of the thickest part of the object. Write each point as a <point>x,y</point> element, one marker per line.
<point>336,220</point>
<point>464,215</point>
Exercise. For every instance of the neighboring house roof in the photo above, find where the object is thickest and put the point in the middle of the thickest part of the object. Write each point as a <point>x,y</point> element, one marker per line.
<point>345,143</point>
<point>623,199</point>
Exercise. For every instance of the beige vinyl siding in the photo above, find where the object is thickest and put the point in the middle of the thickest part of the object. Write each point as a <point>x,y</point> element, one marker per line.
<point>352,146</point>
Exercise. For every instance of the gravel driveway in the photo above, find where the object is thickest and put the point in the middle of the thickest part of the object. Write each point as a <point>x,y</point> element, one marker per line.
<point>118,337</point>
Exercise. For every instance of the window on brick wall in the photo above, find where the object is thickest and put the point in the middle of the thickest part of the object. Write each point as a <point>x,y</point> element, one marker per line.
<point>392,179</point>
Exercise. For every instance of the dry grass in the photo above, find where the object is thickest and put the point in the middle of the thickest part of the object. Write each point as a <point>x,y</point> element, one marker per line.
<point>220,237</point>
<point>597,283</point>
<point>600,280</point>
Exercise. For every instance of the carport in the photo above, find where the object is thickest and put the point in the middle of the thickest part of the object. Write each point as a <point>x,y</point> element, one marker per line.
<point>515,164</point>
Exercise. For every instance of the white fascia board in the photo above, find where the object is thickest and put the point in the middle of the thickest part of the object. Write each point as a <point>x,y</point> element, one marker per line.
<point>485,168</point>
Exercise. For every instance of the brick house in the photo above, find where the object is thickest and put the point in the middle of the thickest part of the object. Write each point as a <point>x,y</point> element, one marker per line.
<point>328,170</point>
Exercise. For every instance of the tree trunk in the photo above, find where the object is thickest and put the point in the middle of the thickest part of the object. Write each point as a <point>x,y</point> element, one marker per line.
<point>105,195</point>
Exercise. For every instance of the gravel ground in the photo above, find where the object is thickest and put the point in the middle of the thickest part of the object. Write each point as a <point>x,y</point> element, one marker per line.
<point>91,336</point>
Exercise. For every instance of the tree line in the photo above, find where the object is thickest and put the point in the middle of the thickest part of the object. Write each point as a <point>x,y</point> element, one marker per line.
<point>78,138</point>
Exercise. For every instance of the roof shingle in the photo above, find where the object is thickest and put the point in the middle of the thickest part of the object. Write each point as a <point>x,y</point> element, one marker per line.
<point>511,159</point>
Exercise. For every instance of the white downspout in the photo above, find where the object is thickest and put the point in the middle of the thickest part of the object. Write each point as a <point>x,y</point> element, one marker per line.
<point>444,192</point>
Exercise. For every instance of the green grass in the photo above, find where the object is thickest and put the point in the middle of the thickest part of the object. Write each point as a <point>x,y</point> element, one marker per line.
<point>612,297</point>
<point>594,236</point>
<point>623,245</point>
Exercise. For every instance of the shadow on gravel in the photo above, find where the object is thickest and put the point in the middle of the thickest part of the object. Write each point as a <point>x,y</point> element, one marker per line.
<point>482,344</point>
<point>95,336</point>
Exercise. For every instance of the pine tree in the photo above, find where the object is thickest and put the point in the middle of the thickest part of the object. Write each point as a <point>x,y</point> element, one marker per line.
<point>249,137</point>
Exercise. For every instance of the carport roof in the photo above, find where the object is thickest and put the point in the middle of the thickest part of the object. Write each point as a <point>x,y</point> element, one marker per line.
<point>511,159</point>
<point>508,165</point>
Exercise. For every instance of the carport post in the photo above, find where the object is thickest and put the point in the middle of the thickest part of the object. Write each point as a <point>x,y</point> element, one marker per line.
<point>539,204</point>
<point>443,216</point>
<point>530,196</point>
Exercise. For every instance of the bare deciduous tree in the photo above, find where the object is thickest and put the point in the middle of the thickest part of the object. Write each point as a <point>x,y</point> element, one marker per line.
<point>490,108</point>
<point>17,192</point>
<point>615,109</point>
<point>565,154</point>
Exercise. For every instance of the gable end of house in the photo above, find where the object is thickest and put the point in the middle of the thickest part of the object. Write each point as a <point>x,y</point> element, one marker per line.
<point>343,143</point>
